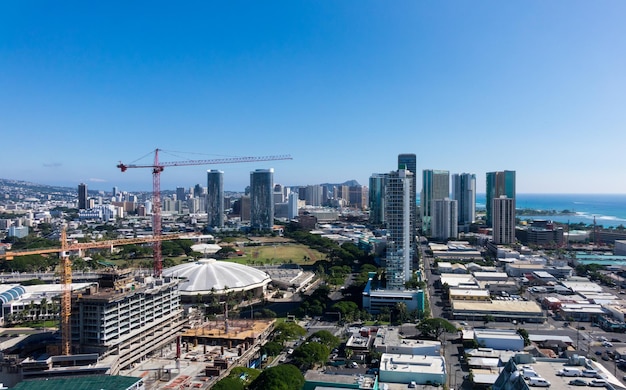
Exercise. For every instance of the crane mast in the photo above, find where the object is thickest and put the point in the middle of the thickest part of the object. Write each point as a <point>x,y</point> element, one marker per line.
<point>158,167</point>
<point>66,296</point>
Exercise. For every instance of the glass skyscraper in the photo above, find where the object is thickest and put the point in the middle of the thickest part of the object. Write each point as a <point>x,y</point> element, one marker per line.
<point>377,198</point>
<point>435,185</point>
<point>498,184</point>
<point>262,199</point>
<point>215,198</point>
<point>464,192</point>
<point>82,196</point>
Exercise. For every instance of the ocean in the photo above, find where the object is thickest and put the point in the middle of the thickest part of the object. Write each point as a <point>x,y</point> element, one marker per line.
<point>608,209</point>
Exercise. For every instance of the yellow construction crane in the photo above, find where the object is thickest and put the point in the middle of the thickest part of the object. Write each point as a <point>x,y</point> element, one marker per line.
<point>66,271</point>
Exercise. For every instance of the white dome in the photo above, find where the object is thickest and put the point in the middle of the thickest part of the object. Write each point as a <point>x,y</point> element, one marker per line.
<point>209,275</point>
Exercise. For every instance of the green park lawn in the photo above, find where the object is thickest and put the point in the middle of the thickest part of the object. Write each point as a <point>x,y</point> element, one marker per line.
<point>278,254</point>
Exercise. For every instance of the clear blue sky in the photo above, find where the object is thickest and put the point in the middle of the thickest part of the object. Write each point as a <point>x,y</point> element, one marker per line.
<point>538,87</point>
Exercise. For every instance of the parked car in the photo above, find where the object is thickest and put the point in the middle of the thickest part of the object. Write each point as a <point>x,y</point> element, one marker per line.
<point>540,382</point>
<point>598,353</point>
<point>578,382</point>
<point>569,371</point>
<point>588,373</point>
<point>598,383</point>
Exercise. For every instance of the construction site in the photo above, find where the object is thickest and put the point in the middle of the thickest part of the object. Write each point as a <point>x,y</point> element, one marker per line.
<point>130,323</point>
<point>204,354</point>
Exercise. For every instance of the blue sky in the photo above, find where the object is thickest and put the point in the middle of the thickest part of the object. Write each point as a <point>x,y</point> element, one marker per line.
<point>538,87</point>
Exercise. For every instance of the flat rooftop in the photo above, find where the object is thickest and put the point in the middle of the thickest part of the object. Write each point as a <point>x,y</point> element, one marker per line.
<point>472,292</point>
<point>412,363</point>
<point>526,307</point>
<point>364,381</point>
<point>391,337</point>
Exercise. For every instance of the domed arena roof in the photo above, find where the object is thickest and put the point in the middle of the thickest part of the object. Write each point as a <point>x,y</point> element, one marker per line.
<point>209,275</point>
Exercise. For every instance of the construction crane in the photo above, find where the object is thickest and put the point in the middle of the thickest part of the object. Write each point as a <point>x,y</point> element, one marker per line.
<point>66,271</point>
<point>9,255</point>
<point>158,167</point>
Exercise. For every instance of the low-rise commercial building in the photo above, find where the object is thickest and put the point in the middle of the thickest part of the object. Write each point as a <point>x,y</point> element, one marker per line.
<point>445,267</point>
<point>421,369</point>
<point>458,281</point>
<point>505,340</point>
<point>469,294</point>
<point>389,340</point>
<point>498,310</point>
<point>580,312</point>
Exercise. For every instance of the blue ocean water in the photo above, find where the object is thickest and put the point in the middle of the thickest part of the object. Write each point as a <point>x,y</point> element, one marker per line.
<point>608,209</point>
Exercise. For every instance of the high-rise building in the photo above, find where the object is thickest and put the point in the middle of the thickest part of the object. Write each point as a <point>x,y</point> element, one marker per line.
<point>377,198</point>
<point>503,220</point>
<point>498,184</point>
<point>262,199</point>
<point>399,228</point>
<point>313,195</point>
<point>292,205</point>
<point>464,192</point>
<point>342,191</point>
<point>198,191</point>
<point>409,161</point>
<point>279,195</point>
<point>115,191</point>
<point>358,196</point>
<point>244,208</point>
<point>215,198</point>
<point>435,185</point>
<point>444,219</point>
<point>180,193</point>
<point>82,196</point>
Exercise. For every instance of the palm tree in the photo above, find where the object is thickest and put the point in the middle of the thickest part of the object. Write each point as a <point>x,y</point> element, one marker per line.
<point>43,307</point>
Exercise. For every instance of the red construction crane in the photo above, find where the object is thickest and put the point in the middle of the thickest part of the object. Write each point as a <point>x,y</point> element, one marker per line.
<point>158,167</point>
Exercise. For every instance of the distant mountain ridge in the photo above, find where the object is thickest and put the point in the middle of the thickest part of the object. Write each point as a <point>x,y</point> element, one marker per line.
<point>351,183</point>
<point>28,184</point>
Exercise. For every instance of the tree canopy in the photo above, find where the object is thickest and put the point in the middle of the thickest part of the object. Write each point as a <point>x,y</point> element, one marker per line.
<point>282,377</point>
<point>288,331</point>
<point>326,338</point>
<point>524,333</point>
<point>228,383</point>
<point>433,328</point>
<point>310,353</point>
<point>271,348</point>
